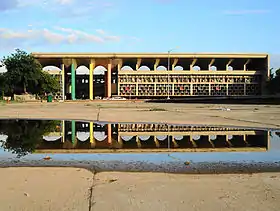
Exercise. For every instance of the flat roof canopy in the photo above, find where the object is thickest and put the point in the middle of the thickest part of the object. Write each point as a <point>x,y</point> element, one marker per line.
<point>149,55</point>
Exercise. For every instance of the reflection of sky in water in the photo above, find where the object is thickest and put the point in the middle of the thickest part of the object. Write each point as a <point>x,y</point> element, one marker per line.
<point>272,155</point>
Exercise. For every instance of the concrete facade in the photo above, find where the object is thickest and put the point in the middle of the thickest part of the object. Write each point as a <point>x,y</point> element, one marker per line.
<point>160,75</point>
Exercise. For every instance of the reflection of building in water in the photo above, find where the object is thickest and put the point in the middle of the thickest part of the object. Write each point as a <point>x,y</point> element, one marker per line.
<point>86,136</point>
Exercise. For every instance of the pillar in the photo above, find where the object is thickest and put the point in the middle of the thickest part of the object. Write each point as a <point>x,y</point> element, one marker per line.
<point>63,81</point>
<point>91,68</point>
<point>109,80</point>
<point>63,131</point>
<point>73,131</point>
<point>91,135</point>
<point>73,81</point>
<point>109,134</point>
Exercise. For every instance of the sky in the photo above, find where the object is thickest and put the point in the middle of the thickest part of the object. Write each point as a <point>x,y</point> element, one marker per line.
<point>141,26</point>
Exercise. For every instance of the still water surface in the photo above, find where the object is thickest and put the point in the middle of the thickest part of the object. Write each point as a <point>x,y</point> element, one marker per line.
<point>76,140</point>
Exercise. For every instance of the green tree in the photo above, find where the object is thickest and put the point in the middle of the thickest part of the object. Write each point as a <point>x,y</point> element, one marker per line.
<point>273,85</point>
<point>24,74</point>
<point>23,71</point>
<point>25,135</point>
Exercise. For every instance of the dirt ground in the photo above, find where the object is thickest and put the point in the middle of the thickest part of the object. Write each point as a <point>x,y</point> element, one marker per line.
<point>72,189</point>
<point>125,111</point>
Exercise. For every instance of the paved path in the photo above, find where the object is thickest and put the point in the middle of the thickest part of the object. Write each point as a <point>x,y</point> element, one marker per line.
<point>238,115</point>
<point>65,189</point>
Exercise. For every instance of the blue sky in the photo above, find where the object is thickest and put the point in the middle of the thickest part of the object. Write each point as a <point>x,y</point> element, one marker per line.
<point>141,26</point>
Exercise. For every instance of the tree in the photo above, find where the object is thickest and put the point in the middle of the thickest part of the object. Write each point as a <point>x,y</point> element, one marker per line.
<point>273,84</point>
<point>23,71</point>
<point>24,74</point>
<point>25,135</point>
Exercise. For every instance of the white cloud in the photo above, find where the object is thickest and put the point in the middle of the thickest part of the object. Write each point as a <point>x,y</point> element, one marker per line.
<point>245,12</point>
<point>57,35</point>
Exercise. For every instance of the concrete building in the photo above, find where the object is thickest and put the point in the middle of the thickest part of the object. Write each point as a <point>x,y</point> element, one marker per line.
<point>158,75</point>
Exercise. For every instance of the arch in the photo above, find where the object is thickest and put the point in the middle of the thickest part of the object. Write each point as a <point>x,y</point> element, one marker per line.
<point>52,69</point>
<point>178,138</point>
<point>144,138</point>
<point>82,136</point>
<point>82,70</point>
<point>161,138</point>
<point>179,68</point>
<point>213,68</point>
<point>196,137</point>
<point>213,137</point>
<point>144,68</point>
<point>127,68</point>
<point>2,69</point>
<point>230,68</point>
<point>100,135</point>
<point>99,70</point>
<point>196,68</point>
<point>3,137</point>
<point>126,138</point>
<point>51,138</point>
<point>161,68</point>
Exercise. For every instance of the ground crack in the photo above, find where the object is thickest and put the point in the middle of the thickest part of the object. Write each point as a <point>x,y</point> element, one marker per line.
<point>98,114</point>
<point>91,201</point>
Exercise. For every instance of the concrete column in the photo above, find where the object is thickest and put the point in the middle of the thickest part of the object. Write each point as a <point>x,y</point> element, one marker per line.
<point>91,68</point>
<point>109,80</point>
<point>109,133</point>
<point>63,131</point>
<point>73,81</point>
<point>73,131</point>
<point>91,135</point>
<point>63,81</point>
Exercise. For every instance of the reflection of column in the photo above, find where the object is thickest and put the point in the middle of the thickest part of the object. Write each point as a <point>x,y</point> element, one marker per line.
<point>63,81</point>
<point>109,80</point>
<point>109,133</point>
<point>120,142</point>
<point>73,131</point>
<point>63,131</point>
<point>156,142</point>
<point>91,135</point>
<point>174,142</point>
<point>138,142</point>
<point>73,82</point>
<point>91,68</point>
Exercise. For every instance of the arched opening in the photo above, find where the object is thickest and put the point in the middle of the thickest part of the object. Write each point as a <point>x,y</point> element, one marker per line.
<point>161,68</point>
<point>196,68</point>
<point>53,70</point>
<point>230,68</point>
<point>161,138</point>
<point>82,83</point>
<point>144,68</point>
<point>3,137</point>
<point>179,68</point>
<point>178,138</point>
<point>3,69</point>
<point>126,138</point>
<point>213,68</point>
<point>99,81</point>
<point>51,138</point>
<point>144,138</point>
<point>83,136</point>
<point>127,68</point>
<point>99,135</point>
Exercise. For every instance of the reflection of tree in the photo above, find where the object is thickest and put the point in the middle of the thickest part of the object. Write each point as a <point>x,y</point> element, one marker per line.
<point>278,134</point>
<point>24,135</point>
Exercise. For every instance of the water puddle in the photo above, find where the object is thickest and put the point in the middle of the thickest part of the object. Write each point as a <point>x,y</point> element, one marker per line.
<point>134,146</point>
